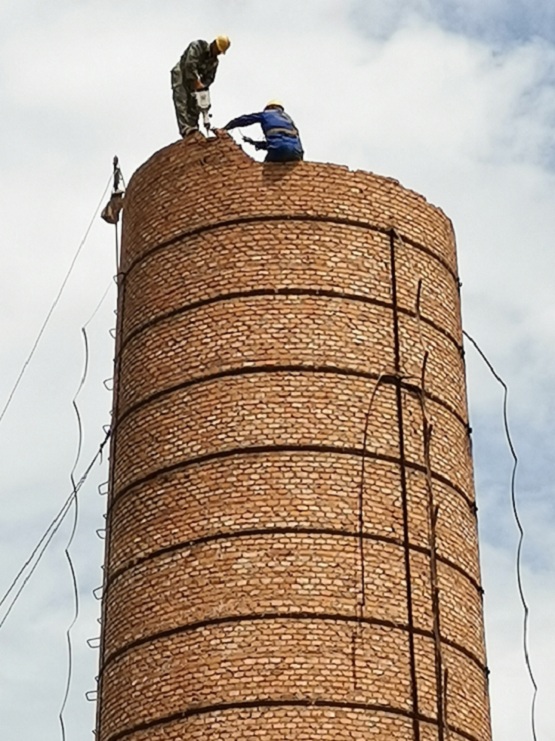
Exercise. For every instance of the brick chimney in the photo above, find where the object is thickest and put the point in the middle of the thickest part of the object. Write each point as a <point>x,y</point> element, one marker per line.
<point>292,549</point>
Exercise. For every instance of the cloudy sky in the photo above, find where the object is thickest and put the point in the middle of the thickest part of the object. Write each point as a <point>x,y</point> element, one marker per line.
<point>455,98</point>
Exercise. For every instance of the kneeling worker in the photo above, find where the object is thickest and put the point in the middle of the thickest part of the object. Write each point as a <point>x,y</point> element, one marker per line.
<point>282,137</point>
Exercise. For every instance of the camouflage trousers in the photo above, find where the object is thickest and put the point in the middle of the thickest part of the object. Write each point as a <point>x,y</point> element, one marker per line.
<point>185,103</point>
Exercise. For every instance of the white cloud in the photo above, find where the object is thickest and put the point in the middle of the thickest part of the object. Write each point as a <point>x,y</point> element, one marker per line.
<point>497,22</point>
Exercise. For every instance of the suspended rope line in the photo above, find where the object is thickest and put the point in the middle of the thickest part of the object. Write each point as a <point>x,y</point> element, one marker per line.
<point>117,193</point>
<point>36,555</point>
<point>74,618</point>
<point>75,505</point>
<point>52,307</point>
<point>97,309</point>
<point>520,528</point>
<point>120,282</point>
<point>76,408</point>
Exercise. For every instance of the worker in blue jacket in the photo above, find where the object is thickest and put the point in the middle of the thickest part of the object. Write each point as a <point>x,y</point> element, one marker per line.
<point>282,137</point>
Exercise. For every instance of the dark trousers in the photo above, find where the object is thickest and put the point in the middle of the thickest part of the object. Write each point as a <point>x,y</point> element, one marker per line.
<point>284,154</point>
<point>185,104</point>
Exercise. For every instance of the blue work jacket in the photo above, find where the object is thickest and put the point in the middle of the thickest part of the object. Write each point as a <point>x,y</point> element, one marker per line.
<point>279,129</point>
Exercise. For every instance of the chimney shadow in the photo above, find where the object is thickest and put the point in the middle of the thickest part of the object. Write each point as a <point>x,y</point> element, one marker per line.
<point>274,172</point>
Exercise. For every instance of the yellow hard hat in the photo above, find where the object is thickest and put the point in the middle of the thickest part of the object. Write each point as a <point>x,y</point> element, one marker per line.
<point>222,43</point>
<point>274,104</point>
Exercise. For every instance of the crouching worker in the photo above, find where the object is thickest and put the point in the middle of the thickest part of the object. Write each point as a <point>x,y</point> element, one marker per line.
<point>282,137</point>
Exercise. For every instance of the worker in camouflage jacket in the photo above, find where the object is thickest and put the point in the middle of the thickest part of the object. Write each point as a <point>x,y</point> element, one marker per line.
<point>195,70</point>
<point>282,141</point>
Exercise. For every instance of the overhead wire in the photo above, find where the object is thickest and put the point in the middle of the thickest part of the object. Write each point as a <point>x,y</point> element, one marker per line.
<point>51,530</point>
<point>514,504</point>
<point>72,503</point>
<point>75,485</point>
<point>99,304</point>
<point>75,503</point>
<point>53,305</point>
<point>37,553</point>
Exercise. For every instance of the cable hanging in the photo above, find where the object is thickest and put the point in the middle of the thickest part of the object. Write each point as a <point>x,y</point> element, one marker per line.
<point>121,284</point>
<point>75,505</point>
<point>520,531</point>
<point>115,203</point>
<point>52,307</point>
<point>21,579</point>
<point>44,541</point>
<point>75,614</point>
<point>37,553</point>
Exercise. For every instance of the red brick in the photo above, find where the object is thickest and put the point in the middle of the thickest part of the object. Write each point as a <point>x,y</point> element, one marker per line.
<point>257,569</point>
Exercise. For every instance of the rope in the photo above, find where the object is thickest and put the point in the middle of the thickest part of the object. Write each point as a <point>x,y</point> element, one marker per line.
<point>52,307</point>
<point>45,540</point>
<point>74,619</point>
<point>121,284</point>
<point>514,505</point>
<point>67,554</point>
<point>116,186</point>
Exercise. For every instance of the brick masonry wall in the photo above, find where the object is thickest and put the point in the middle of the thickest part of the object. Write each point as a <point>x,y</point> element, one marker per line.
<point>291,553</point>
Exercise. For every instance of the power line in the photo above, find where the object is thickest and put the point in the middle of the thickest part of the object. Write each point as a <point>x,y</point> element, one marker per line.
<point>53,306</point>
<point>520,531</point>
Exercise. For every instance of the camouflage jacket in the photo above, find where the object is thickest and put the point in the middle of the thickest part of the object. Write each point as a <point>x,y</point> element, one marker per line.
<point>197,63</point>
